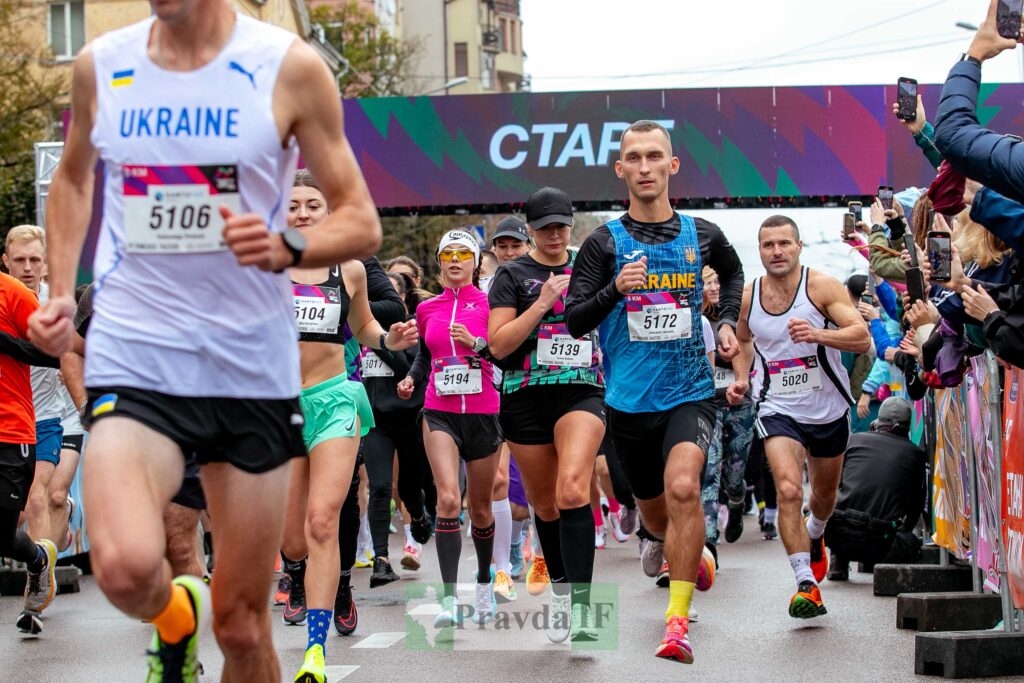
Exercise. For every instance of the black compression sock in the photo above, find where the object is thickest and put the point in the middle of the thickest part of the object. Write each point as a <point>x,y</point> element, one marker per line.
<point>293,568</point>
<point>483,543</point>
<point>548,533</point>
<point>345,580</point>
<point>449,548</point>
<point>576,533</point>
<point>27,548</point>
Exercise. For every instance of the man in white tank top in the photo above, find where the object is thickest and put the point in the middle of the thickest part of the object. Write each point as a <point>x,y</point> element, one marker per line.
<point>195,113</point>
<point>799,321</point>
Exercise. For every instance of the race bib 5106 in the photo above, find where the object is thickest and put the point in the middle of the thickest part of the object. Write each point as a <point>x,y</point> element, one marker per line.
<point>176,209</point>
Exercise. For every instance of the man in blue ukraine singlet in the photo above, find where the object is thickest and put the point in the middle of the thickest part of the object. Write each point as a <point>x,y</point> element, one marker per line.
<point>198,113</point>
<point>638,279</point>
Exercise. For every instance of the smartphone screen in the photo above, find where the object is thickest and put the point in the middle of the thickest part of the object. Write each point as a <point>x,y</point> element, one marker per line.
<point>940,255</point>
<point>885,196</point>
<point>906,98</point>
<point>867,298</point>
<point>915,284</point>
<point>1008,18</point>
<point>855,209</point>
<point>849,225</point>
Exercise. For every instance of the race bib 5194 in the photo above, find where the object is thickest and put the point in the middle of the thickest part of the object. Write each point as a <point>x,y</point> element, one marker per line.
<point>176,209</point>
<point>458,376</point>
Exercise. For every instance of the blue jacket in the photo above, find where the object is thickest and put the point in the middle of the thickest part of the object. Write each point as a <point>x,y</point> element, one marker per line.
<point>1002,217</point>
<point>993,159</point>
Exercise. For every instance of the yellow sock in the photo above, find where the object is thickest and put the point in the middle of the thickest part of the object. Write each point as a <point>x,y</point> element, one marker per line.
<point>178,618</point>
<point>679,595</point>
<point>760,505</point>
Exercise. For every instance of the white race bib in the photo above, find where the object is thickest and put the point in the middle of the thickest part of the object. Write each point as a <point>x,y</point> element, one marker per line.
<point>657,317</point>
<point>724,377</point>
<point>458,376</point>
<point>555,346</point>
<point>176,209</point>
<point>317,309</point>
<point>794,376</point>
<point>373,365</point>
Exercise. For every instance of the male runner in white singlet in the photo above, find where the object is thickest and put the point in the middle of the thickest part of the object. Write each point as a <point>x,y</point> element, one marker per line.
<point>195,112</point>
<point>800,320</point>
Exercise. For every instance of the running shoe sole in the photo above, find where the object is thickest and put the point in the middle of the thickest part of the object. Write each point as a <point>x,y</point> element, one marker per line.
<point>674,652</point>
<point>802,608</point>
<point>29,623</point>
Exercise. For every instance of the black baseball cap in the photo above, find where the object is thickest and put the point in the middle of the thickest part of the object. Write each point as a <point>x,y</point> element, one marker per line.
<point>546,206</point>
<point>511,226</point>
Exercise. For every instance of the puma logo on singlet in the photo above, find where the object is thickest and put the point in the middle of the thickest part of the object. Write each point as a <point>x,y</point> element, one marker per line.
<point>251,75</point>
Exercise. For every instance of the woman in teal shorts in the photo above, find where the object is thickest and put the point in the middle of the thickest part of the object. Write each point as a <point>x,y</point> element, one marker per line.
<point>337,414</point>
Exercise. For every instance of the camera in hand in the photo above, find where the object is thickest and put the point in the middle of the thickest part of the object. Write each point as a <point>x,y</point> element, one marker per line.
<point>940,256</point>
<point>885,193</point>
<point>849,225</point>
<point>906,99</point>
<point>1008,18</point>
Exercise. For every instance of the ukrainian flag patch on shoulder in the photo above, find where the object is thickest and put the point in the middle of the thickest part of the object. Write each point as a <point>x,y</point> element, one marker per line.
<point>104,404</point>
<point>124,77</point>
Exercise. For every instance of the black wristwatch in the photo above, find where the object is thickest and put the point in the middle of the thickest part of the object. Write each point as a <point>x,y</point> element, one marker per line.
<point>877,228</point>
<point>967,58</point>
<point>295,242</point>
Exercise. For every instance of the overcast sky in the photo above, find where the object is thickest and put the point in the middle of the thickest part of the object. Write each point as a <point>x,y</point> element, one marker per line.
<point>614,44</point>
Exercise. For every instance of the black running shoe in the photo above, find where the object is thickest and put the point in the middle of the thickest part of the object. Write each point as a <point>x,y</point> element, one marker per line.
<point>382,574</point>
<point>734,527</point>
<point>769,532</point>
<point>420,530</point>
<point>294,612</point>
<point>346,618</point>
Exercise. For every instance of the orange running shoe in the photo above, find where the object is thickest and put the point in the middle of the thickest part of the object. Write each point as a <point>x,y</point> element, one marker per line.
<point>706,570</point>
<point>819,559</point>
<point>806,602</point>
<point>676,643</point>
<point>537,579</point>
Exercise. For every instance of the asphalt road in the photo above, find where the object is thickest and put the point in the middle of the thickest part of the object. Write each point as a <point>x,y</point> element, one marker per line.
<point>743,632</point>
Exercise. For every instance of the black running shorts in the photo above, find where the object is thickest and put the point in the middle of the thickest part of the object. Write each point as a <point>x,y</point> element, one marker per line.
<point>17,468</point>
<point>476,435</point>
<point>190,494</point>
<point>643,441</point>
<point>254,435</point>
<point>821,441</point>
<point>72,442</point>
<point>528,416</point>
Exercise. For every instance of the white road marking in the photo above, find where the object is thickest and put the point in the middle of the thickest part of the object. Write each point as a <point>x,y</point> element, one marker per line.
<point>336,673</point>
<point>380,640</point>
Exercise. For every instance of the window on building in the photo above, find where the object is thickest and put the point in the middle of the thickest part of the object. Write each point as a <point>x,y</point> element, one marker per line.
<point>67,28</point>
<point>461,60</point>
<point>514,42</point>
<point>503,31</point>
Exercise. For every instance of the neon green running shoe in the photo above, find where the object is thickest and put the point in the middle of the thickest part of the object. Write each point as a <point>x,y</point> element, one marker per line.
<point>178,662</point>
<point>314,668</point>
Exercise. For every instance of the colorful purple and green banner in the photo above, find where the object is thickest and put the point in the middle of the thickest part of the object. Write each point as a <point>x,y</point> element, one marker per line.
<point>733,142</point>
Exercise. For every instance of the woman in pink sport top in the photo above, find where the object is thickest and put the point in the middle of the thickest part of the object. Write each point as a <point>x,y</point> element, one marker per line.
<point>459,418</point>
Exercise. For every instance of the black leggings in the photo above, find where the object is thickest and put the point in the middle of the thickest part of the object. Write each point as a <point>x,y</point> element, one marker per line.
<point>759,474</point>
<point>348,523</point>
<point>393,432</point>
<point>620,483</point>
<point>15,543</point>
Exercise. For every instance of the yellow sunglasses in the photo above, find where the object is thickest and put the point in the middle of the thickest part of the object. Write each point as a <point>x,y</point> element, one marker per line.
<point>455,255</point>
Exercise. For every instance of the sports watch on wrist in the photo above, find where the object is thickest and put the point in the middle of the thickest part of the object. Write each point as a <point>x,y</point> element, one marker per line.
<point>967,58</point>
<point>480,344</point>
<point>295,242</point>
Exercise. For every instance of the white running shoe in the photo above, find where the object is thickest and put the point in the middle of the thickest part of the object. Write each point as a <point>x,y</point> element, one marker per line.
<point>652,556</point>
<point>617,533</point>
<point>559,617</point>
<point>600,538</point>
<point>627,519</point>
<point>40,588</point>
<point>583,626</point>
<point>485,606</point>
<point>693,613</point>
<point>449,614</point>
